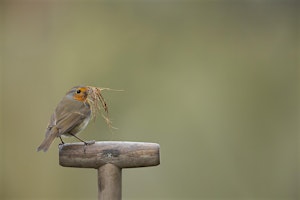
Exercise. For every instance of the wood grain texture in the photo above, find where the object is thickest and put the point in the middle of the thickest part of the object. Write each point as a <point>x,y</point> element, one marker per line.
<point>109,182</point>
<point>119,153</point>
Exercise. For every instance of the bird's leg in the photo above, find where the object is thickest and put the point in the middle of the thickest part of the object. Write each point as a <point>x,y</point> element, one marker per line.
<point>85,142</point>
<point>62,142</point>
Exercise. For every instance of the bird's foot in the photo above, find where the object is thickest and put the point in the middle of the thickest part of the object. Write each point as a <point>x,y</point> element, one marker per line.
<point>89,142</point>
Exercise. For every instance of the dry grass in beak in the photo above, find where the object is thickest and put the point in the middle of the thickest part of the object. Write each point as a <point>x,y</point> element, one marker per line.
<point>96,101</point>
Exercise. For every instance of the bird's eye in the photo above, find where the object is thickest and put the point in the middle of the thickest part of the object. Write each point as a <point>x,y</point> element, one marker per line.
<point>78,91</point>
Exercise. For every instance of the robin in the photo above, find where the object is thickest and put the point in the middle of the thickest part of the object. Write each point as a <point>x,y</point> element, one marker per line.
<point>71,116</point>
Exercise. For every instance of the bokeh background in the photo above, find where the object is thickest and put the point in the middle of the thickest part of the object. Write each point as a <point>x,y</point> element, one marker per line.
<point>215,83</point>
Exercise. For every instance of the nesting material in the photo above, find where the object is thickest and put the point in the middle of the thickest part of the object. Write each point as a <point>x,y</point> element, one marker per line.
<point>98,104</point>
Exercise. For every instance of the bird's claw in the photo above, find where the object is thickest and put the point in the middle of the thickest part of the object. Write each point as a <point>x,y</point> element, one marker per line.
<point>89,142</point>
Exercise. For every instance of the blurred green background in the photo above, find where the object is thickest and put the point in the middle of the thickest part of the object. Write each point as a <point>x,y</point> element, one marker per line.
<point>215,83</point>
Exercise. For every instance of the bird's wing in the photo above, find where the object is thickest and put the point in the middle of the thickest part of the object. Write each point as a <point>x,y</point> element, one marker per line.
<point>69,114</point>
<point>68,121</point>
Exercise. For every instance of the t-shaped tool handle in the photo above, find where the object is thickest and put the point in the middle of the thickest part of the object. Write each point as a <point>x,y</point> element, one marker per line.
<point>109,158</point>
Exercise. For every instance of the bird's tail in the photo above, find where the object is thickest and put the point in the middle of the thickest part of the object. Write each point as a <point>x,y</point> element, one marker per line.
<point>48,140</point>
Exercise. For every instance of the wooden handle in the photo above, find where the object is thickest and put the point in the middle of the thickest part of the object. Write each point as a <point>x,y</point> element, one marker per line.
<point>109,182</point>
<point>120,154</point>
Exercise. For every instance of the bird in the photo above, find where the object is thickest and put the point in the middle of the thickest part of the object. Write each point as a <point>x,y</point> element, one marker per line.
<point>71,116</point>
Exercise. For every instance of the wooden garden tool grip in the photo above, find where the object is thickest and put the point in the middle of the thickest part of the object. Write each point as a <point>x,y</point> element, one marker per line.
<point>109,158</point>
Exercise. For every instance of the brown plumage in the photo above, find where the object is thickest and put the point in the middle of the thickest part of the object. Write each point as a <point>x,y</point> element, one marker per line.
<point>72,114</point>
